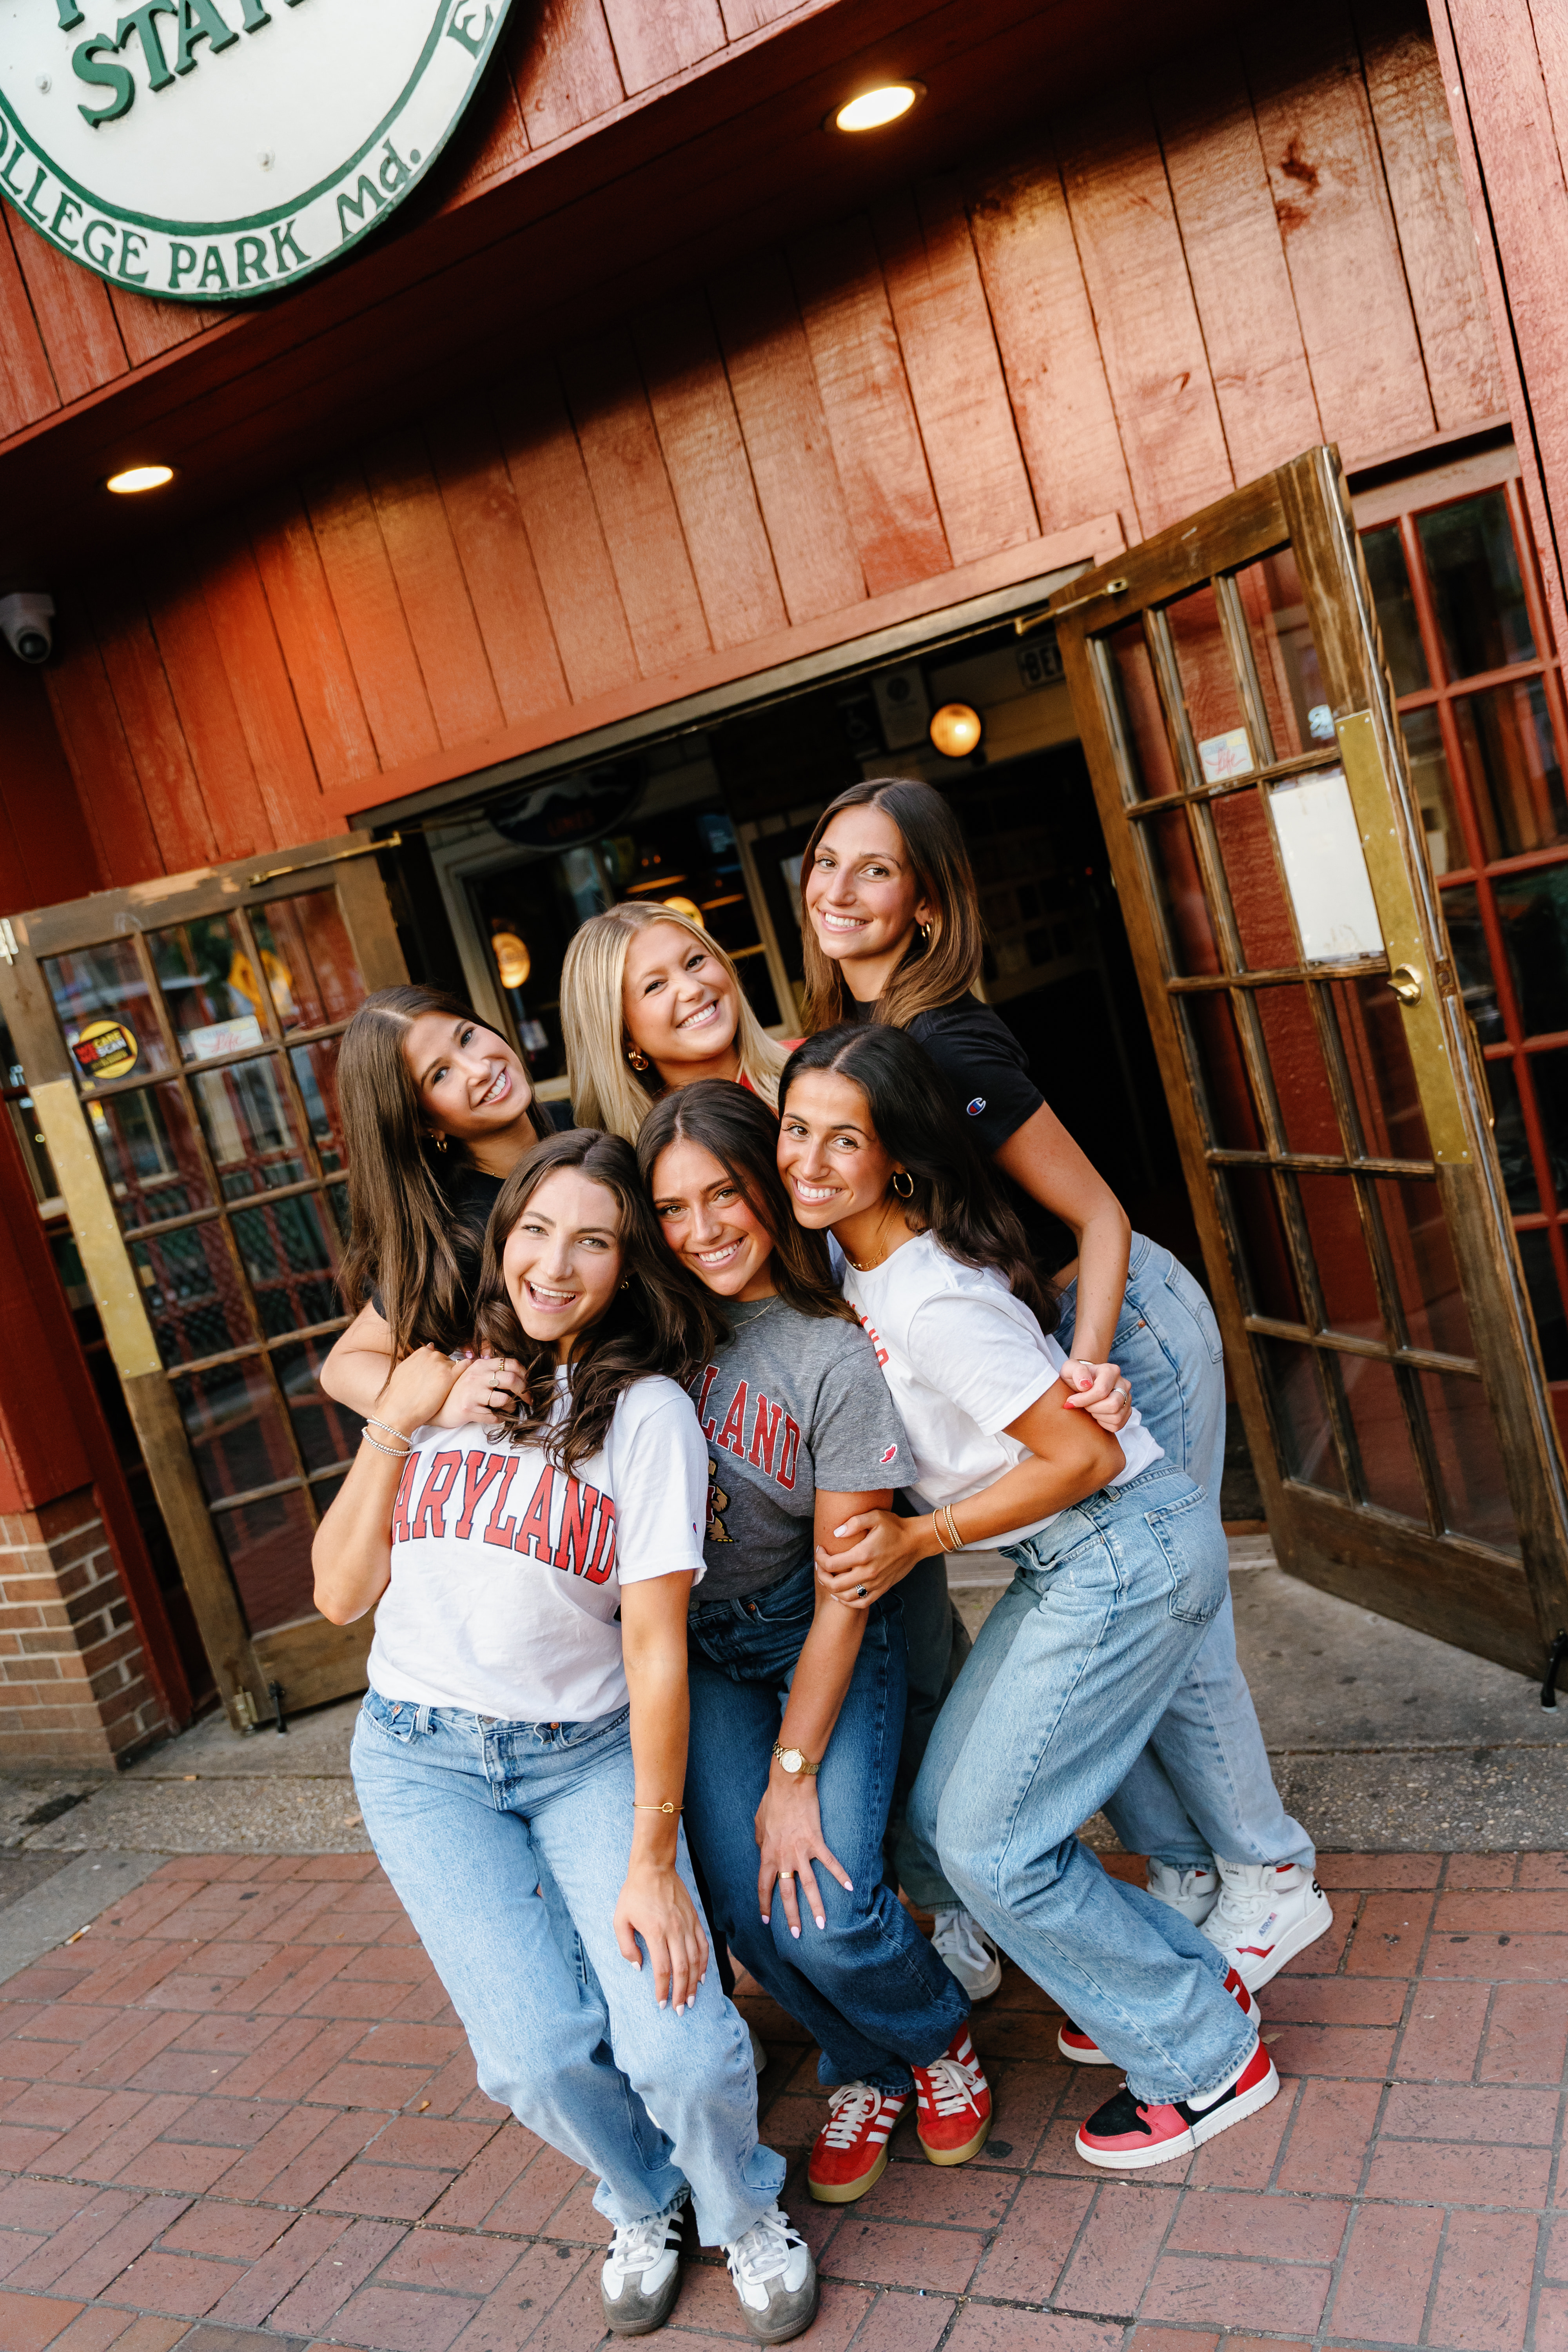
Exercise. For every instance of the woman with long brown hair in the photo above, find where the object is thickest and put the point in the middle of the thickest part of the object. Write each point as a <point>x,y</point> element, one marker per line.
<point>893,937</point>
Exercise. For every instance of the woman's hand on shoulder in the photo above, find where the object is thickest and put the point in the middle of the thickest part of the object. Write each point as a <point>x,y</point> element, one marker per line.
<point>1098,1390</point>
<point>417,1389</point>
<point>654,1904</point>
<point>469,1398</point>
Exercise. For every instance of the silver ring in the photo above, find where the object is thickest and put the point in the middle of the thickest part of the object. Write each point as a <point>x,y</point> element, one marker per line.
<point>1124,1388</point>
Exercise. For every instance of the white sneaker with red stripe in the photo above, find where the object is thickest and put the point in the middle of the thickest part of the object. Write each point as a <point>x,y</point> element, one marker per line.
<point>1075,2045</point>
<point>1125,2134</point>
<point>953,2114</point>
<point>851,2152</point>
<point>1193,1891</point>
<point>1267,1913</point>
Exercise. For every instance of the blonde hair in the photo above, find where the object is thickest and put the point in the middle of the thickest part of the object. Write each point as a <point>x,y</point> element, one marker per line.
<point>605,1090</point>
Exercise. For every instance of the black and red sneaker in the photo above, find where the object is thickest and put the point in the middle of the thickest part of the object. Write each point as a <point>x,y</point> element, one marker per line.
<point>1075,2045</point>
<point>1125,2134</point>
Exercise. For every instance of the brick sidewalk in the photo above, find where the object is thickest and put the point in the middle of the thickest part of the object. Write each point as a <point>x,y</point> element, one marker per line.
<point>240,2104</point>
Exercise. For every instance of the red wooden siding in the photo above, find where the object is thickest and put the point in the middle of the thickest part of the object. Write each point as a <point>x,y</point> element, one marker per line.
<point>1185,284</point>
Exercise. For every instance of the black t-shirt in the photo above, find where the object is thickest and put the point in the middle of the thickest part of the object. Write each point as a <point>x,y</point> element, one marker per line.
<point>470,1196</point>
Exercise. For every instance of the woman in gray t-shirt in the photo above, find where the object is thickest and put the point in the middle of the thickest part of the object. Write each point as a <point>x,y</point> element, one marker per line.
<point>797,1703</point>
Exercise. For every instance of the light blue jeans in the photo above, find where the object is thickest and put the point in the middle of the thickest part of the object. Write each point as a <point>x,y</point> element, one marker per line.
<point>506,1844</point>
<point>1203,1786</point>
<point>1071,1672</point>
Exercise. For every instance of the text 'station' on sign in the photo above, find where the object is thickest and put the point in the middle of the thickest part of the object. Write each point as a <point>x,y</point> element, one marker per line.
<point>213,151</point>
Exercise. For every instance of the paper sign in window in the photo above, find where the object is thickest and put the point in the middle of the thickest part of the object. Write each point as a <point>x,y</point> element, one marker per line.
<point>1229,754</point>
<point>1325,872</point>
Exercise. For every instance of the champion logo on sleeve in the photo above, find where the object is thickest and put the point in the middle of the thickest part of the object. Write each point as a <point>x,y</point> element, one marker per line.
<point>889,1454</point>
<point>976,1107</point>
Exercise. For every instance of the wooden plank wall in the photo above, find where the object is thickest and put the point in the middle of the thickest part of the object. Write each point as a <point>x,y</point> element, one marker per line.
<point>1180,287</point>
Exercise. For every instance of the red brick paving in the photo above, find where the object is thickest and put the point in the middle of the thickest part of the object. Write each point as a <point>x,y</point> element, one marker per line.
<point>239,2112</point>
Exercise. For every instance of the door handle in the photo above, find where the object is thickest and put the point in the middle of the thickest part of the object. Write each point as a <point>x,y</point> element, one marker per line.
<point>1406,982</point>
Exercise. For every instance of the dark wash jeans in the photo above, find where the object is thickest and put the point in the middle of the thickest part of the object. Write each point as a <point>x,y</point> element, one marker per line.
<point>868,1986</point>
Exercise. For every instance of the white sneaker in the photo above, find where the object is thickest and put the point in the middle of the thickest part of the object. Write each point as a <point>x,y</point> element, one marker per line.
<point>967,1952</point>
<point>641,2276</point>
<point>1194,1893</point>
<point>775,2278</point>
<point>1267,1913</point>
<point>759,2054</point>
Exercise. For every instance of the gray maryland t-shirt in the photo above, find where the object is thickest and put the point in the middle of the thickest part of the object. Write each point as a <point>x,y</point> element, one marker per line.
<point>792,1403</point>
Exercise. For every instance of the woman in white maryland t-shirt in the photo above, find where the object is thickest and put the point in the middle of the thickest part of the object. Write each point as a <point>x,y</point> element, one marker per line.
<point>521,1757</point>
<point>1120,1569</point>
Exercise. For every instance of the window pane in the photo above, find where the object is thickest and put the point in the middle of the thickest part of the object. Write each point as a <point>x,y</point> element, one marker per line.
<point>1424,1273</point>
<point>1296,1066</point>
<point>1269,1285</point>
<point>1512,1142</point>
<point>324,1432</point>
<point>1211,1025</point>
<point>1514,771</point>
<point>1293,1380</point>
<point>1434,789</point>
<point>1389,1475</point>
<point>236,1428</point>
<point>1546,1300</point>
<point>150,1155</point>
<point>1209,688</point>
<point>285,1252</point>
<point>249,1128</point>
<point>105,1010</point>
<point>1469,1460</point>
<point>1256,893</point>
<point>1131,679</point>
<point>1549,1073</point>
<point>268,1549</point>
<point>193,1294</point>
<point>1383,1080</point>
<point>1289,671</point>
<point>337,1197</point>
<point>1339,1252</point>
<point>1390,577</point>
<point>316,1075</point>
<point>212,997</point>
<point>1473,566</point>
<point>1532,912</point>
<point>1472,961</point>
<point>309,959</point>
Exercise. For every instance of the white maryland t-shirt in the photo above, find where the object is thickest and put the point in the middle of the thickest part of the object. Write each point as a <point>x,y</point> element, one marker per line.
<point>507,1571</point>
<point>963,1357</point>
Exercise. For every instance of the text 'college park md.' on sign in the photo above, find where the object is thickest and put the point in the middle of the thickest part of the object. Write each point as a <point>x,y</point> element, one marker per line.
<point>213,151</point>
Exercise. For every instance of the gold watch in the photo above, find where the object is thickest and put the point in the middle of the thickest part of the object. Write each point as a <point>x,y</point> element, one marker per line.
<point>795,1761</point>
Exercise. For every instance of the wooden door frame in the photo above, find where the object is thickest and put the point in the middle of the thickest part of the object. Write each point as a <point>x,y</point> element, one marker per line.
<point>306,1655</point>
<point>1310,1527</point>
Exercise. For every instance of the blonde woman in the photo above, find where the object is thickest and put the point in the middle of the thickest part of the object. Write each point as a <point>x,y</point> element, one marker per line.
<point>649,1001</point>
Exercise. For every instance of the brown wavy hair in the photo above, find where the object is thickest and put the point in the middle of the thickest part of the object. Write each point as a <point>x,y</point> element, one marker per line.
<point>405,1241</point>
<point>742,1134</point>
<point>936,970</point>
<point>660,1321</point>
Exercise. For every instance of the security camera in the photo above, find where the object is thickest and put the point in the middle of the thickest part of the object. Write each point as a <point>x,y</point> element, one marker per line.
<point>26,622</point>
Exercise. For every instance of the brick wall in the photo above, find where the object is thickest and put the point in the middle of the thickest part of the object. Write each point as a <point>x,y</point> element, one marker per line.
<point>74,1684</point>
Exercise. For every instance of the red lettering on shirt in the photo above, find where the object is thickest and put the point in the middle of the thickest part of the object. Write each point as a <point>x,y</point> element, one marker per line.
<point>405,1491</point>
<point>875,1336</point>
<point>429,1515</point>
<point>604,1558</point>
<point>733,1434</point>
<point>535,1528</point>
<point>709,1377</point>
<point>576,1526</point>
<point>480,1471</point>
<point>499,1530</point>
<point>765,1431</point>
<point>791,1457</point>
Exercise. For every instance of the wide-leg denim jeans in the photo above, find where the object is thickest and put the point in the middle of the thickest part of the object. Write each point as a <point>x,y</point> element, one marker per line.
<point>1203,1786</point>
<point>867,1988</point>
<point>471,1818</point>
<point>1070,1673</point>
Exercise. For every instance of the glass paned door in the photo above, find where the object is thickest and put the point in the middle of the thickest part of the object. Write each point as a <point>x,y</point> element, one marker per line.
<point>182,1052</point>
<point>1272,856</point>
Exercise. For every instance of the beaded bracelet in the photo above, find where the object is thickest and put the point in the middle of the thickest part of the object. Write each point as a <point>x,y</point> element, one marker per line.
<point>366,1439</point>
<point>376,1423</point>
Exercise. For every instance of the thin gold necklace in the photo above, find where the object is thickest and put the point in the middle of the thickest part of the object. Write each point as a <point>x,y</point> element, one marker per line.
<point>875,1262</point>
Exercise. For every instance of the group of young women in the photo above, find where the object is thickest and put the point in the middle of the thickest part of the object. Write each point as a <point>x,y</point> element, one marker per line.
<point>672,1422</point>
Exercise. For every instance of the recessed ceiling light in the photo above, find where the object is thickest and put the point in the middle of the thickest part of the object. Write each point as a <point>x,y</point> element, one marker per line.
<point>139,478</point>
<point>872,109</point>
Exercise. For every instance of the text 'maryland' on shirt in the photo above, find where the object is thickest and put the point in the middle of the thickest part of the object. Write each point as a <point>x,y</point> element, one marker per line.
<point>507,1571</point>
<point>964,1359</point>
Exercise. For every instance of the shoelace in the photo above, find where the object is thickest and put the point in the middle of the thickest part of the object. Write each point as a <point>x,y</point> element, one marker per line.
<point>637,2245</point>
<point>956,1932</point>
<point>1245,1910</point>
<point>851,2108</point>
<point>763,2253</point>
<point>952,2086</point>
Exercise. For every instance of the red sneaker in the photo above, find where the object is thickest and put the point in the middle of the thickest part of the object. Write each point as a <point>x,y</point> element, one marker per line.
<point>1125,2134</point>
<point>953,2114</point>
<point>1075,2044</point>
<point>851,2152</point>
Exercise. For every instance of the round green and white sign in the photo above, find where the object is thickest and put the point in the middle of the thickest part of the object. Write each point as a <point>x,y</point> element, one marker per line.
<point>213,151</point>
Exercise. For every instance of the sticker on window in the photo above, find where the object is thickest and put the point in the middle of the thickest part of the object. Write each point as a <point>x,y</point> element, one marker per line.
<point>1226,755</point>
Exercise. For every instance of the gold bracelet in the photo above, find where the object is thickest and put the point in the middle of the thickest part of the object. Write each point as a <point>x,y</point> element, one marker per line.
<point>954,1541</point>
<point>665,1808</point>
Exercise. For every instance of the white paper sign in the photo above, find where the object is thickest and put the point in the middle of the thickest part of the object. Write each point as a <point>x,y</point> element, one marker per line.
<point>213,151</point>
<point>1319,846</point>
<point>1229,754</point>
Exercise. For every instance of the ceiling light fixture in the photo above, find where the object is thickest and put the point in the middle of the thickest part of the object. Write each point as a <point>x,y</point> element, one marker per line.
<point>873,109</point>
<point>139,478</point>
<point>956,730</point>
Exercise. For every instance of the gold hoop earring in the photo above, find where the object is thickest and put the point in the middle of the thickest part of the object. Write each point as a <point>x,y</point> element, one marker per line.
<point>637,1059</point>
<point>626,1282</point>
<point>439,1140</point>
<point>925,933</point>
<point>909,1180</point>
